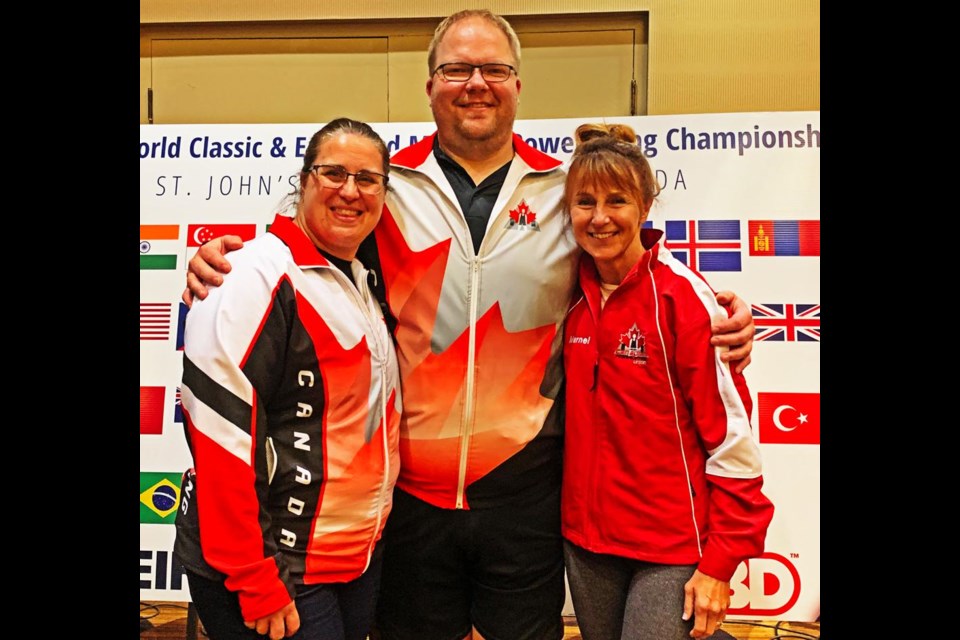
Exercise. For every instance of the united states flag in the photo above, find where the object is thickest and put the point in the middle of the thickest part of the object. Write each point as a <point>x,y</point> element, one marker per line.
<point>787,322</point>
<point>155,320</point>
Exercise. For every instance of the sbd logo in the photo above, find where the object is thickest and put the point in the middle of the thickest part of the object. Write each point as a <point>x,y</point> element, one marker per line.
<point>767,585</point>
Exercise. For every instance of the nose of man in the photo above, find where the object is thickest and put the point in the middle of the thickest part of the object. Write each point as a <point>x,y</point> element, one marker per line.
<point>476,81</point>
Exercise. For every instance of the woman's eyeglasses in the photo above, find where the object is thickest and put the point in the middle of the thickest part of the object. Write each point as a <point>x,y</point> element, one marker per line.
<point>334,177</point>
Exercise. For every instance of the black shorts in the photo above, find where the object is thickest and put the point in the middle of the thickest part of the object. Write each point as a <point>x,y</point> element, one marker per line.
<point>498,569</point>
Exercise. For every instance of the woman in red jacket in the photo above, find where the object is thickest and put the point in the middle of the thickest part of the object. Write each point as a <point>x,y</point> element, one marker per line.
<point>662,481</point>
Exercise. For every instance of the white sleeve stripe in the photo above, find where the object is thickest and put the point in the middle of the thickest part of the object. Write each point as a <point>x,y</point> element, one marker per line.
<point>738,455</point>
<point>227,435</point>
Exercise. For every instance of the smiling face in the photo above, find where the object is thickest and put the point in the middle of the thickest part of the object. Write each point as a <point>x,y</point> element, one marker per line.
<point>337,219</point>
<point>606,219</point>
<point>475,111</point>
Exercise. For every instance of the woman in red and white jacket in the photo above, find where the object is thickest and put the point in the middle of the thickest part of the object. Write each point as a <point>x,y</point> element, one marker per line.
<point>291,396</point>
<point>661,480</point>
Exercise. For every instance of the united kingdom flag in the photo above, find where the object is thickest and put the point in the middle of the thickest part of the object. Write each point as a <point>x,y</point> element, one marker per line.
<point>787,322</point>
<point>177,408</point>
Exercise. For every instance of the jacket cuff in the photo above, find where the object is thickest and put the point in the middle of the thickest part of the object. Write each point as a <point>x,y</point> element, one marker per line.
<point>716,566</point>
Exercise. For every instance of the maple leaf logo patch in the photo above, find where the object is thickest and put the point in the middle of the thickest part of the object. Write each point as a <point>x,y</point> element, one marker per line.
<point>633,345</point>
<point>523,218</point>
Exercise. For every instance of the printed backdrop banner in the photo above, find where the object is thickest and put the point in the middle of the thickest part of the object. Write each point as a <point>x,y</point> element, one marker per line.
<point>740,202</point>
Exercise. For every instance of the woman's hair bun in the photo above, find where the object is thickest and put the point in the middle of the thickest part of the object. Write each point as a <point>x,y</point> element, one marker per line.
<point>594,131</point>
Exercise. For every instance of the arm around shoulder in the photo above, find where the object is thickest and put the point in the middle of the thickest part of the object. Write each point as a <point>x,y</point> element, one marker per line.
<point>207,266</point>
<point>736,332</point>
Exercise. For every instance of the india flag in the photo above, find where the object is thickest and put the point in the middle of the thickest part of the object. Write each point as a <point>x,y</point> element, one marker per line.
<point>159,246</point>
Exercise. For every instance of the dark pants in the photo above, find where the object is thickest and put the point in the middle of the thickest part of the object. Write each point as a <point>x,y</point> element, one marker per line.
<point>342,611</point>
<point>499,569</point>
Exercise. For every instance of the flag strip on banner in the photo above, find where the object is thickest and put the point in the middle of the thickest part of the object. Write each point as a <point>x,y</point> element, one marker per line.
<point>159,494</point>
<point>151,410</point>
<point>181,324</point>
<point>197,234</point>
<point>784,237</point>
<point>789,418</point>
<point>786,322</point>
<point>159,246</point>
<point>177,407</point>
<point>704,245</point>
<point>155,320</point>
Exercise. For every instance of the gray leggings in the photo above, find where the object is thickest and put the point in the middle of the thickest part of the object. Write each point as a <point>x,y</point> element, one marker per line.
<point>622,599</point>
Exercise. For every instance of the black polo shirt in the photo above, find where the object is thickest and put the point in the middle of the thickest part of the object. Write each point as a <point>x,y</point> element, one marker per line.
<point>476,201</point>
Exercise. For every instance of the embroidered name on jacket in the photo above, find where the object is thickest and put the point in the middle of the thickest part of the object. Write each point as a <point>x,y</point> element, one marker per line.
<point>523,218</point>
<point>633,345</point>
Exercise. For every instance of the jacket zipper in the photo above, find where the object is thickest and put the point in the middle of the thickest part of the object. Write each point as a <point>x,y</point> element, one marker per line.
<point>592,484</point>
<point>466,428</point>
<point>361,291</point>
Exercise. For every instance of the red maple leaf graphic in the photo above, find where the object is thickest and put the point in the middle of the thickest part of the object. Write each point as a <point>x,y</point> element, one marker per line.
<point>509,372</point>
<point>523,212</point>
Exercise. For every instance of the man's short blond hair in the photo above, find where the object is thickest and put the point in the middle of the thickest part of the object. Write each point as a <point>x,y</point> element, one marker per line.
<point>498,21</point>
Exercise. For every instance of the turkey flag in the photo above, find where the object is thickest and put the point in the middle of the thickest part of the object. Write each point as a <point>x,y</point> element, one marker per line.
<point>789,418</point>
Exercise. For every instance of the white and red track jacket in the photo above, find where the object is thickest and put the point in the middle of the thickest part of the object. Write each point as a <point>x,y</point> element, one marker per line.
<point>292,410</point>
<point>477,334</point>
<point>660,463</point>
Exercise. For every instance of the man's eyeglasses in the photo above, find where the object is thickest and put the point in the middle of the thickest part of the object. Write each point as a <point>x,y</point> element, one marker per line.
<point>461,71</point>
<point>334,176</point>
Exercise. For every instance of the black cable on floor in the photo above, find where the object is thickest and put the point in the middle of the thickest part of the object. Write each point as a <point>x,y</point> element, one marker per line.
<point>154,611</point>
<point>787,634</point>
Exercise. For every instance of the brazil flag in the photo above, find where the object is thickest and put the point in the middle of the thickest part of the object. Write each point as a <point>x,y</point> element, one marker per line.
<point>159,494</point>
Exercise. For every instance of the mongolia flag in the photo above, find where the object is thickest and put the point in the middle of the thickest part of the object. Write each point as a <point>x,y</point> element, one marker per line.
<point>151,410</point>
<point>197,234</point>
<point>784,237</point>
<point>704,245</point>
<point>159,246</point>
<point>789,418</point>
<point>159,494</point>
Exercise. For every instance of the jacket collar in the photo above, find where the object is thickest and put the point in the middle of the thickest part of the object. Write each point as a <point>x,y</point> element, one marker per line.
<point>415,155</point>
<point>305,254</point>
